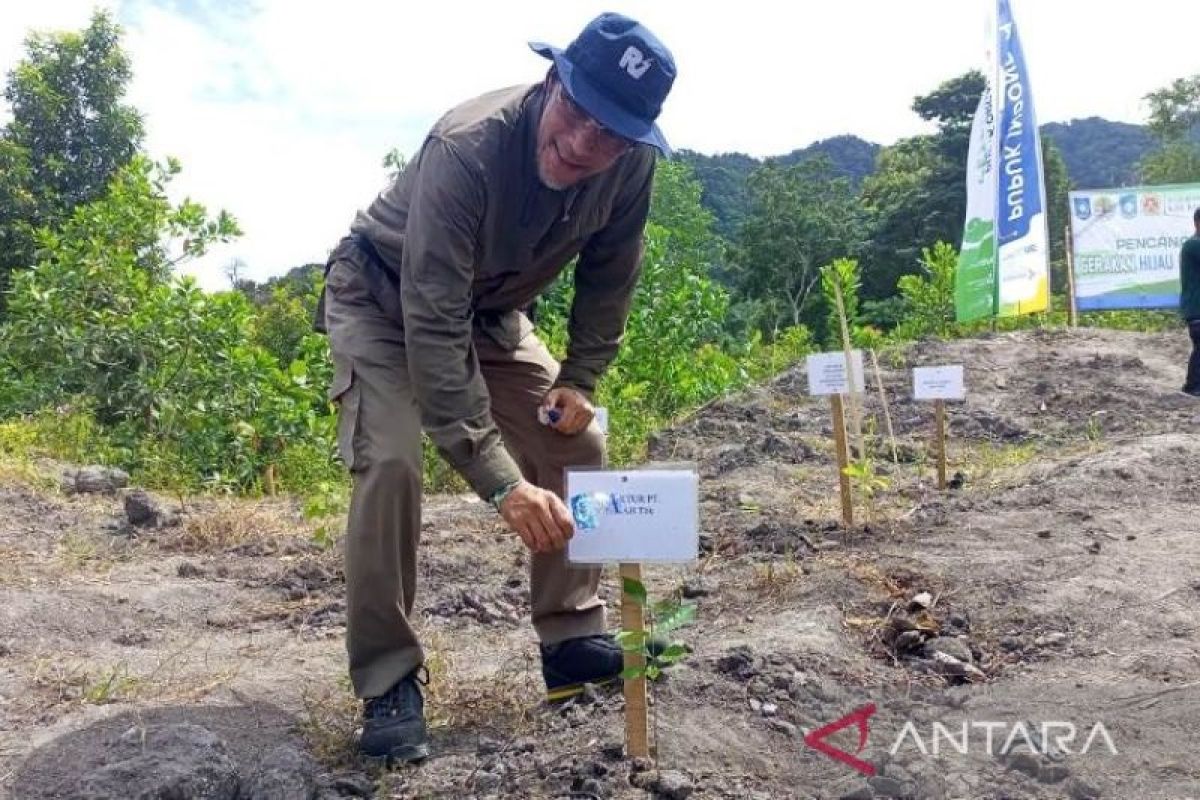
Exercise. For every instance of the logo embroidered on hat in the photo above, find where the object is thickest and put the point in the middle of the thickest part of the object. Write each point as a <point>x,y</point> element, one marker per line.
<point>634,62</point>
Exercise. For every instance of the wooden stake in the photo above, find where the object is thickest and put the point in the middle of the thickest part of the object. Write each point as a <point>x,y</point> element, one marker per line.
<point>1072,310</point>
<point>887,414</point>
<point>939,408</point>
<point>843,458</point>
<point>269,479</point>
<point>848,348</point>
<point>637,729</point>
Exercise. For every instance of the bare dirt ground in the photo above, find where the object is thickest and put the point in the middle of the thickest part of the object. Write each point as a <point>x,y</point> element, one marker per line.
<point>1061,577</point>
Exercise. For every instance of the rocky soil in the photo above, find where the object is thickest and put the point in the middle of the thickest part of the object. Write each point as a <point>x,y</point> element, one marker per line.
<point>153,647</point>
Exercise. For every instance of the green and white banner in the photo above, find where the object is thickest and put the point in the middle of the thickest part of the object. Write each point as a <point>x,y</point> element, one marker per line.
<point>1125,245</point>
<point>1004,265</point>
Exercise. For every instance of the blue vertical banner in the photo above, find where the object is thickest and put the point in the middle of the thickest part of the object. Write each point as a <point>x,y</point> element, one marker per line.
<point>1004,264</point>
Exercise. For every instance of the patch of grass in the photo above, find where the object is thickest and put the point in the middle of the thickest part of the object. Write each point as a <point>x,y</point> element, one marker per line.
<point>80,551</point>
<point>80,683</point>
<point>69,433</point>
<point>25,471</point>
<point>328,721</point>
<point>775,578</point>
<point>500,701</point>
<point>989,462</point>
<point>230,523</point>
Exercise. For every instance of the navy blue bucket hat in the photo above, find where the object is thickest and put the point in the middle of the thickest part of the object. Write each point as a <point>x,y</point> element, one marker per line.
<point>620,73</point>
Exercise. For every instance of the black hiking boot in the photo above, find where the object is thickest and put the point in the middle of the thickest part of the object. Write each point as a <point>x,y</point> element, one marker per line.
<point>394,723</point>
<point>569,664</point>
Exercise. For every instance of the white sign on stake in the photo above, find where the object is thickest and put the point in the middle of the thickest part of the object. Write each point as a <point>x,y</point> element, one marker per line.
<point>939,383</point>
<point>633,516</point>
<point>827,373</point>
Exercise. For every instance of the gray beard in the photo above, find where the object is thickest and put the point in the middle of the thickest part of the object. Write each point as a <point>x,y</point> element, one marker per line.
<point>549,184</point>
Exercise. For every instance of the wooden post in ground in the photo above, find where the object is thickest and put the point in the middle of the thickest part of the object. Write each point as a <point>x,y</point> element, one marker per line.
<point>843,458</point>
<point>1072,310</point>
<point>269,479</point>
<point>939,409</point>
<point>637,729</point>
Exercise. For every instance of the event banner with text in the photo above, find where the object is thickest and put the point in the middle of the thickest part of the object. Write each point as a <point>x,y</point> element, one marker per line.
<point>1125,245</point>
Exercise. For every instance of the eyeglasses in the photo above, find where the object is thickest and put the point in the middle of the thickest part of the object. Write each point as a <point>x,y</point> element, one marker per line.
<point>607,142</point>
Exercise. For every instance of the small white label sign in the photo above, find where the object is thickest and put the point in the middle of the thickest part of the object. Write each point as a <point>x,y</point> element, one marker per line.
<point>602,419</point>
<point>827,373</point>
<point>939,383</point>
<point>633,516</point>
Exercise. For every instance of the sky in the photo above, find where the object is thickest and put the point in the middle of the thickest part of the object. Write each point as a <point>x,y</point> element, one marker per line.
<point>281,110</point>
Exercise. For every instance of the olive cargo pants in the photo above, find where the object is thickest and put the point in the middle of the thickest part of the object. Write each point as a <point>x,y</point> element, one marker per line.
<point>379,438</point>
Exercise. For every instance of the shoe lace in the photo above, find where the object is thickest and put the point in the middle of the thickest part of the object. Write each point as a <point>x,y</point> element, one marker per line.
<point>393,700</point>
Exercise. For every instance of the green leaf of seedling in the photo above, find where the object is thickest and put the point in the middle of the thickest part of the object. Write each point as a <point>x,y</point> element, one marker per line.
<point>653,672</point>
<point>635,590</point>
<point>672,654</point>
<point>663,608</point>
<point>677,619</point>
<point>632,641</point>
<point>633,673</point>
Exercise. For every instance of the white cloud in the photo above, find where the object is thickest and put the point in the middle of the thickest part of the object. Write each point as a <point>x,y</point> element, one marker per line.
<point>281,111</point>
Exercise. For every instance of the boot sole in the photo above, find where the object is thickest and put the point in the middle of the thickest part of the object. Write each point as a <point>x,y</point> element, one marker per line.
<point>561,693</point>
<point>404,754</point>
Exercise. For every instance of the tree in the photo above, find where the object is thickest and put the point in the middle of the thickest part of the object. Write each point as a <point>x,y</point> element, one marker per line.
<point>801,217</point>
<point>918,193</point>
<point>1054,170</point>
<point>1175,120</point>
<point>69,132</point>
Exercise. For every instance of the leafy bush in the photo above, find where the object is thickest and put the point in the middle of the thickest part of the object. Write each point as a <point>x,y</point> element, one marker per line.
<point>170,373</point>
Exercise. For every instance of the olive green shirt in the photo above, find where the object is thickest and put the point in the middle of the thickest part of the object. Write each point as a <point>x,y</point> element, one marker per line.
<point>1189,279</point>
<point>474,237</point>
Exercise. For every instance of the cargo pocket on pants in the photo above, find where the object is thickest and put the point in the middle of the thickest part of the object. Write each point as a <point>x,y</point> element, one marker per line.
<point>345,391</point>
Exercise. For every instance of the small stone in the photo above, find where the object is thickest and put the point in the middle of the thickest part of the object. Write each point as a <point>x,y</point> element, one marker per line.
<point>783,726</point>
<point>187,569</point>
<point>95,479</point>
<point>1026,762</point>
<point>641,764</point>
<point>951,646</point>
<point>141,509</point>
<point>487,781</point>
<point>861,793</point>
<point>888,787</point>
<point>131,638</point>
<point>769,709</point>
<point>354,784</point>
<point>756,705</point>
<point>949,665</point>
<point>674,785</point>
<point>746,501</point>
<point>614,749</point>
<point>1010,643</point>
<point>909,640</point>
<point>922,600</point>
<point>1051,639</point>
<point>1094,548</point>
<point>697,586</point>
<point>1044,533</point>
<point>1054,773</point>
<point>643,780</point>
<point>1079,789</point>
<point>960,620</point>
<point>591,786</point>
